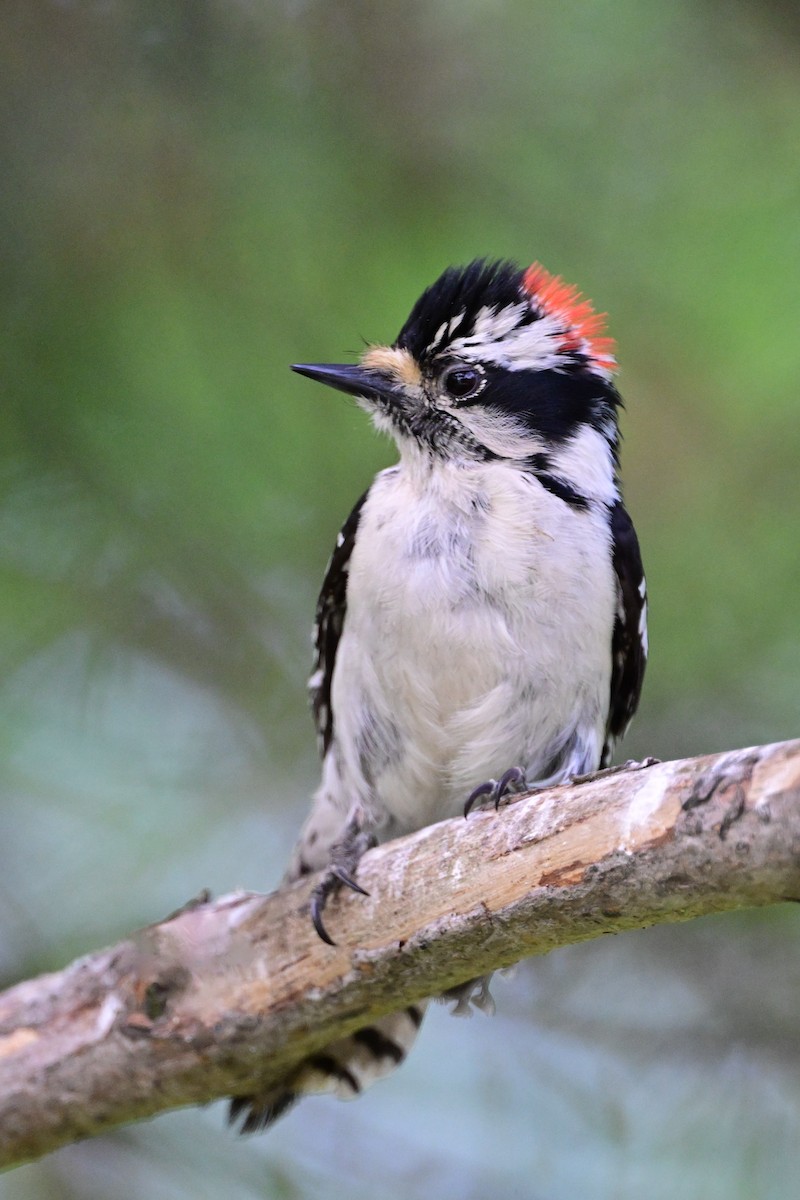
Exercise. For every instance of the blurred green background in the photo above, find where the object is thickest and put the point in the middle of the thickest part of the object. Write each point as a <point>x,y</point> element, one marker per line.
<point>194,195</point>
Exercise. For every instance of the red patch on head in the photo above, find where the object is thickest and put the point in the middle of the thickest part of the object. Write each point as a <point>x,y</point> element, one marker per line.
<point>583,328</point>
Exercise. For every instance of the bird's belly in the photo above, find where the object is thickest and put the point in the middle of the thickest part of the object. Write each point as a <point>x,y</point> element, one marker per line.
<point>456,665</point>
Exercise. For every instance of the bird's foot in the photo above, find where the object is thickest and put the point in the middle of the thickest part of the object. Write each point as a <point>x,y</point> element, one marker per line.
<point>511,782</point>
<point>472,994</point>
<point>345,857</point>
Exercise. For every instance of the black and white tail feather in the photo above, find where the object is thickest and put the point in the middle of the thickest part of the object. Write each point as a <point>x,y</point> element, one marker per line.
<point>484,607</point>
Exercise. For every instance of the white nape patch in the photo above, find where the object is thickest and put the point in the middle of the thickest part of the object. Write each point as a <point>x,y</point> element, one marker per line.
<point>645,803</point>
<point>498,337</point>
<point>586,461</point>
<point>491,324</point>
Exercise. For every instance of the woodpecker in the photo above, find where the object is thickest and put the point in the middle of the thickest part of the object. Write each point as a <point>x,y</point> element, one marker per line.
<point>481,628</point>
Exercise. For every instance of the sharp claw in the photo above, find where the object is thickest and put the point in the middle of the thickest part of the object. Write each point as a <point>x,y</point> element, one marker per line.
<point>345,856</point>
<point>483,789</point>
<point>335,876</point>
<point>317,905</point>
<point>512,781</point>
<point>348,881</point>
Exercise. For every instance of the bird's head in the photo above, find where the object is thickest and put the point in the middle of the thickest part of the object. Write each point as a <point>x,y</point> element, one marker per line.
<point>493,363</point>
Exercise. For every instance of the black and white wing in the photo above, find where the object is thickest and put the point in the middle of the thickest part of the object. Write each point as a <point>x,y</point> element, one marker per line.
<point>629,641</point>
<point>331,608</point>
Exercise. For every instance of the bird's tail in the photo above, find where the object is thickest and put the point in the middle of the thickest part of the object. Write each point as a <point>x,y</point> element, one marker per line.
<point>345,1067</point>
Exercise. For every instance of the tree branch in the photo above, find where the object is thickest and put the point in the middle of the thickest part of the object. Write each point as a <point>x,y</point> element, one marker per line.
<point>226,996</point>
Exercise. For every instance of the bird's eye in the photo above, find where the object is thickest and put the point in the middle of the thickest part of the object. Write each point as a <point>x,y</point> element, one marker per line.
<point>461,382</point>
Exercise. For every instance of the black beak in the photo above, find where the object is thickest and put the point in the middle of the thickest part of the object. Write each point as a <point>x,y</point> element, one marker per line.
<point>355,380</point>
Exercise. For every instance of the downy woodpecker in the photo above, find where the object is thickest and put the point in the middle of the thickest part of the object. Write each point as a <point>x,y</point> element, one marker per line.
<point>482,623</point>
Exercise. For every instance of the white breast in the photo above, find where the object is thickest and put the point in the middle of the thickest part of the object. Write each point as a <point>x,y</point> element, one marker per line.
<point>478,633</point>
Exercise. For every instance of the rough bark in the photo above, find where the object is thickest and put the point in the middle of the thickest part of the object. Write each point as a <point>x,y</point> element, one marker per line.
<point>227,995</point>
